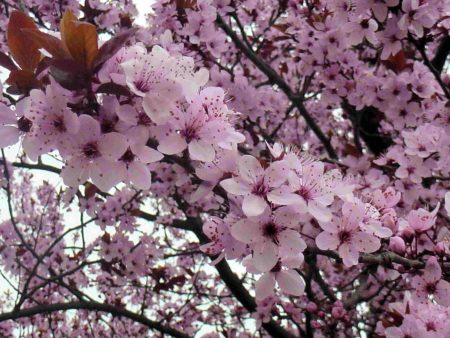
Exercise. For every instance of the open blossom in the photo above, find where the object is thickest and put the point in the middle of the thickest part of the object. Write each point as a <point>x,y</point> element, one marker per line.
<point>54,123</point>
<point>289,282</point>
<point>272,236</point>
<point>410,327</point>
<point>92,155</point>
<point>14,125</point>
<point>430,283</point>
<point>132,165</point>
<point>222,242</point>
<point>255,183</point>
<point>422,220</point>
<point>161,80</point>
<point>424,140</point>
<point>347,235</point>
<point>309,189</point>
<point>202,128</point>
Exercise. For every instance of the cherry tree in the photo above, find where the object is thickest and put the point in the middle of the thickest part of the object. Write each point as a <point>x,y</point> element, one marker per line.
<point>232,168</point>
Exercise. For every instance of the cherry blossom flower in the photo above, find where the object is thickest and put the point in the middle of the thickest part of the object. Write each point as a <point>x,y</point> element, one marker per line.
<point>202,127</point>
<point>161,80</point>
<point>272,237</point>
<point>14,125</point>
<point>255,183</point>
<point>289,282</point>
<point>346,235</point>
<point>430,283</point>
<point>92,155</point>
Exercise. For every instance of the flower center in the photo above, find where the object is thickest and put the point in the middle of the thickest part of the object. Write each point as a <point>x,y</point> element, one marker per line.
<point>24,124</point>
<point>90,150</point>
<point>431,288</point>
<point>344,236</point>
<point>59,125</point>
<point>260,188</point>
<point>128,157</point>
<point>271,230</point>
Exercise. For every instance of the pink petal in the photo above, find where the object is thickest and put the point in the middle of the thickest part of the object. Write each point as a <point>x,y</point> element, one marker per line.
<point>139,175</point>
<point>172,144</point>
<point>349,254</point>
<point>319,212</point>
<point>246,231</point>
<point>253,205</point>
<point>146,154</point>
<point>290,282</point>
<point>432,272</point>
<point>365,242</point>
<point>235,187</point>
<point>327,241</point>
<point>250,169</point>
<point>113,145</point>
<point>71,122</point>
<point>8,136</point>
<point>291,242</point>
<point>74,172</point>
<point>7,116</point>
<point>89,129</point>
<point>105,174</point>
<point>265,286</point>
<point>201,151</point>
<point>442,294</point>
<point>265,256</point>
<point>282,196</point>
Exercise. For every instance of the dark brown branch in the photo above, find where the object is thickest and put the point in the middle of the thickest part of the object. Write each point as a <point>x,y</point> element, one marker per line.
<point>92,306</point>
<point>275,79</point>
<point>441,55</point>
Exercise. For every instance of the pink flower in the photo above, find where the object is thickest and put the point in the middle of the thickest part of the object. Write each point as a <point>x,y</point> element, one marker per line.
<point>222,243</point>
<point>133,163</point>
<point>161,80</point>
<point>346,235</point>
<point>54,123</point>
<point>410,328</point>
<point>14,125</point>
<point>422,220</point>
<point>308,189</point>
<point>430,283</point>
<point>272,236</point>
<point>289,282</point>
<point>93,155</point>
<point>255,183</point>
<point>203,127</point>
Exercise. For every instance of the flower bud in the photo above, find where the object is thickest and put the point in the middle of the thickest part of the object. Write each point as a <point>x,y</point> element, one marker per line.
<point>408,234</point>
<point>397,244</point>
<point>439,249</point>
<point>311,307</point>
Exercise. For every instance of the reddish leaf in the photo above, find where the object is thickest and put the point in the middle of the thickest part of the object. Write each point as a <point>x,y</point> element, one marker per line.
<point>113,89</point>
<point>24,50</point>
<point>80,39</point>
<point>21,81</point>
<point>397,62</point>
<point>69,74</point>
<point>48,42</point>
<point>112,46</point>
<point>6,62</point>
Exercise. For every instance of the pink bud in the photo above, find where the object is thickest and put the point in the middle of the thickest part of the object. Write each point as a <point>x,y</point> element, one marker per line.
<point>439,249</point>
<point>338,312</point>
<point>408,234</point>
<point>321,314</point>
<point>397,244</point>
<point>311,307</point>
<point>315,324</point>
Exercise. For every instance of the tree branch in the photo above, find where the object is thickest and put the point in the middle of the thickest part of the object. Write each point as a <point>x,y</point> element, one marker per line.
<point>275,79</point>
<point>93,306</point>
